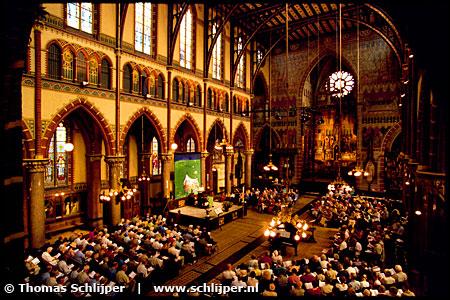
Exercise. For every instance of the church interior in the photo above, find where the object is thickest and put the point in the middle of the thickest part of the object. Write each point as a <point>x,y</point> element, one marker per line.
<point>270,148</point>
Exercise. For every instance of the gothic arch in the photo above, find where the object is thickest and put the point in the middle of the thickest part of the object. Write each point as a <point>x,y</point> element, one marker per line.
<point>28,140</point>
<point>105,128</point>
<point>190,119</point>
<point>153,120</point>
<point>318,58</point>
<point>390,137</point>
<point>258,135</point>
<point>241,132</point>
<point>221,124</point>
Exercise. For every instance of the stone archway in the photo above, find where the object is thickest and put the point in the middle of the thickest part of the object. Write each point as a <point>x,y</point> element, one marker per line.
<point>92,111</point>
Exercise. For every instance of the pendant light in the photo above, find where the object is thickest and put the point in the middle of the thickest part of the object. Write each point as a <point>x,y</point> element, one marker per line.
<point>270,166</point>
<point>143,176</point>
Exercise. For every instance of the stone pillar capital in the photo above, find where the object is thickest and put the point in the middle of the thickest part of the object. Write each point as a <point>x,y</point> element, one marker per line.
<point>166,157</point>
<point>35,165</point>
<point>204,154</point>
<point>114,161</point>
<point>249,152</point>
<point>94,157</point>
<point>229,151</point>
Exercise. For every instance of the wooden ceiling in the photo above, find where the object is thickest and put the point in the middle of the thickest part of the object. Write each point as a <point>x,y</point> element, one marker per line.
<point>305,19</point>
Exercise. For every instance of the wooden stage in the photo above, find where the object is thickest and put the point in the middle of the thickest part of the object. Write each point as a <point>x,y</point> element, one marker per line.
<point>216,217</point>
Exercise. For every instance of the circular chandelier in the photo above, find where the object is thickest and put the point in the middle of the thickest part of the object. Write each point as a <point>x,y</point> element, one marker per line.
<point>341,83</point>
<point>358,171</point>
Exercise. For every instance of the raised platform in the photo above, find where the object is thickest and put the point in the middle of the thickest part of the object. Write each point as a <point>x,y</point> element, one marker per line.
<point>215,217</point>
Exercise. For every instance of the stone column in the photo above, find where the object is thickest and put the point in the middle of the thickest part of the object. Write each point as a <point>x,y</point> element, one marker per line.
<point>94,209</point>
<point>203,157</point>
<point>114,163</point>
<point>248,168</point>
<point>166,168</point>
<point>35,170</point>
<point>228,169</point>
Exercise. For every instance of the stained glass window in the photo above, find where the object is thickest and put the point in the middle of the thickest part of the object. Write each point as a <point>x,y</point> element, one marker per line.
<point>56,173</point>
<point>68,65</point>
<point>93,71</point>
<point>156,166</point>
<point>81,67</point>
<point>190,145</point>
<point>142,29</point>
<point>136,81</point>
<point>127,78</point>
<point>186,43</point>
<point>217,55</point>
<point>240,80</point>
<point>79,16</point>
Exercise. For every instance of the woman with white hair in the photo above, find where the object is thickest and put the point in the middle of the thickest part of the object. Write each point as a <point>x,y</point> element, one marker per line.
<point>277,258</point>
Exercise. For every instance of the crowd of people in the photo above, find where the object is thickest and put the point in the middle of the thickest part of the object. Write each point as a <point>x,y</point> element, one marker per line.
<point>145,250</point>
<point>363,260</point>
<point>270,200</point>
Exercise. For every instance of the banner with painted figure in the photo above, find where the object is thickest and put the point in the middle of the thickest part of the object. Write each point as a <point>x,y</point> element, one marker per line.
<point>187,174</point>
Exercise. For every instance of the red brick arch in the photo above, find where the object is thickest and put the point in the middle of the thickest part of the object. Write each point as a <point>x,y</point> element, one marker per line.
<point>153,120</point>
<point>390,136</point>
<point>28,140</point>
<point>80,103</point>
<point>241,132</point>
<point>221,124</point>
<point>191,120</point>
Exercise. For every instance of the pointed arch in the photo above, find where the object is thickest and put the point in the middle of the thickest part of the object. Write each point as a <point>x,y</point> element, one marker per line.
<point>28,140</point>
<point>153,120</point>
<point>318,58</point>
<point>258,135</point>
<point>105,128</point>
<point>390,137</point>
<point>220,123</point>
<point>190,119</point>
<point>241,132</point>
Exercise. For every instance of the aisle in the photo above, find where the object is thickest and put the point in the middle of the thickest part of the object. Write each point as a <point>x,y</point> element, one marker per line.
<point>235,240</point>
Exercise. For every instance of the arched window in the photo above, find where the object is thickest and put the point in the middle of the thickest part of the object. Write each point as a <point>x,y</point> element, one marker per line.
<point>93,71</point>
<point>142,27</point>
<point>79,16</point>
<point>144,83</point>
<point>160,93</point>
<point>106,75</point>
<point>227,103</point>
<point>190,145</point>
<point>183,92</point>
<point>156,165</point>
<point>68,65</point>
<point>56,172</point>
<point>240,75</point>
<point>198,96</point>
<point>247,108</point>
<point>210,100</point>
<point>175,92</point>
<point>54,62</point>
<point>81,67</point>
<point>186,40</point>
<point>127,78</point>
<point>136,77</point>
<point>217,55</point>
<point>235,108</point>
<point>152,85</point>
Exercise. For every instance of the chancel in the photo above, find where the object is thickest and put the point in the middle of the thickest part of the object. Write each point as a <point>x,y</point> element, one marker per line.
<point>203,148</point>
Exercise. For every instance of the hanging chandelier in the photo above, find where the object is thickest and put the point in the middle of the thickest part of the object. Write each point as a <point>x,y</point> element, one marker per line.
<point>358,171</point>
<point>279,225</point>
<point>341,83</point>
<point>143,177</point>
<point>124,192</point>
<point>270,166</point>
